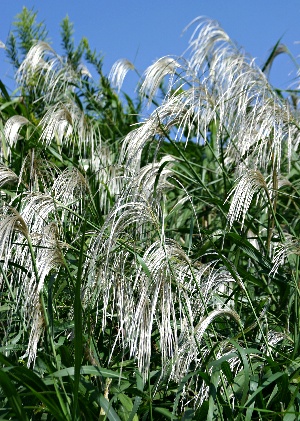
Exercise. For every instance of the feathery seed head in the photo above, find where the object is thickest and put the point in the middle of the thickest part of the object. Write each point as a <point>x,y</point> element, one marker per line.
<point>282,250</point>
<point>249,184</point>
<point>118,72</point>
<point>34,62</point>
<point>155,74</point>
<point>7,176</point>
<point>69,186</point>
<point>11,224</point>
<point>57,121</point>
<point>12,128</point>
<point>189,350</point>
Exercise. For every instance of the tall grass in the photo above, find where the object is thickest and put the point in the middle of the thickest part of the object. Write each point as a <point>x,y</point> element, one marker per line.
<point>149,270</point>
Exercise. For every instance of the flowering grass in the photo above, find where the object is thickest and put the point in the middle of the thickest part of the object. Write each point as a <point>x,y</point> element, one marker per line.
<point>149,268</point>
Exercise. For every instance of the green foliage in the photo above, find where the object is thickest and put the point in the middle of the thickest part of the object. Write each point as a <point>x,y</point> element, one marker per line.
<point>25,33</point>
<point>148,270</point>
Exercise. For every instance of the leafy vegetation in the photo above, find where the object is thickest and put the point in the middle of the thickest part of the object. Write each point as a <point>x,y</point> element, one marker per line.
<point>149,268</point>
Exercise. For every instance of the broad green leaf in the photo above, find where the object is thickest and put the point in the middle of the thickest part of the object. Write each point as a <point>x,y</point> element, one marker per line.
<point>109,411</point>
<point>128,406</point>
<point>13,396</point>
<point>265,384</point>
<point>165,412</point>
<point>88,370</point>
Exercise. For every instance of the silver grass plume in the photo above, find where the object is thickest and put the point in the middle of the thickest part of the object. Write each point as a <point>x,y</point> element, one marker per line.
<point>154,75</point>
<point>191,350</point>
<point>48,257</point>
<point>7,176</point>
<point>282,250</point>
<point>135,141</point>
<point>32,245</point>
<point>108,172</point>
<point>249,184</point>
<point>55,80</point>
<point>12,129</point>
<point>159,286</point>
<point>162,120</point>
<point>11,224</point>
<point>118,72</point>
<point>57,121</point>
<point>16,246</point>
<point>209,285</point>
<point>218,83</point>
<point>55,76</point>
<point>136,205</point>
<point>36,209</point>
<point>65,122</point>
<point>70,190</point>
<point>137,212</point>
<point>70,185</point>
<point>31,239</point>
<point>241,86</point>
<point>153,178</point>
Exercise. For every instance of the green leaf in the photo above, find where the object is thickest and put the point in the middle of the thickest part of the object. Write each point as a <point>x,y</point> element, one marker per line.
<point>201,413</point>
<point>227,371</point>
<point>109,411</point>
<point>243,355</point>
<point>250,250</point>
<point>4,91</point>
<point>188,415</point>
<point>27,378</point>
<point>88,370</point>
<point>164,412</point>
<point>128,406</point>
<point>12,396</point>
<point>144,266</point>
<point>78,326</point>
<point>265,384</point>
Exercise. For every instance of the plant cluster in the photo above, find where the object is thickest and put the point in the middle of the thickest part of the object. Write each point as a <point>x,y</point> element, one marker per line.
<point>148,267</point>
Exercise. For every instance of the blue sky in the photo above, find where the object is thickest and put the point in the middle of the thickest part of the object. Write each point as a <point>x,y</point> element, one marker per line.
<point>143,31</point>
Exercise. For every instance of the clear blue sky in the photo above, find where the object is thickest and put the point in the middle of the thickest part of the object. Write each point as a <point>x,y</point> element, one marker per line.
<point>143,31</point>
